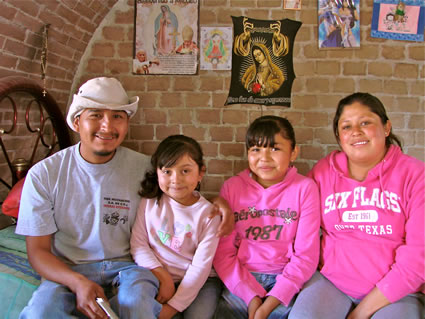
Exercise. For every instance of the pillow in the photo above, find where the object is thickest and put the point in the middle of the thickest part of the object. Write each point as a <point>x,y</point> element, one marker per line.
<point>11,203</point>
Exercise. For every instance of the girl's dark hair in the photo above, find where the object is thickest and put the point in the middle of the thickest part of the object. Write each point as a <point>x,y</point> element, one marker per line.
<point>374,105</point>
<point>261,132</point>
<point>169,151</point>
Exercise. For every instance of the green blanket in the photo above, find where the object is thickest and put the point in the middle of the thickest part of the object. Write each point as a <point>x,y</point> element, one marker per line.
<point>17,279</point>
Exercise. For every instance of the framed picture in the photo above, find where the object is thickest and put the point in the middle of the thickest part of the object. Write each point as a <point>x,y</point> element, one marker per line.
<point>398,20</point>
<point>216,48</point>
<point>338,24</point>
<point>166,37</point>
<point>292,4</point>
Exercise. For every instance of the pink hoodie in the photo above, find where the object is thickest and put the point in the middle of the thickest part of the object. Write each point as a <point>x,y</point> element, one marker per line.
<point>276,232</point>
<point>372,231</point>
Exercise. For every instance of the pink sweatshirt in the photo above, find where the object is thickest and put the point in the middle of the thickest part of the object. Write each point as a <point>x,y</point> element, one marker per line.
<point>373,231</point>
<point>276,232</point>
<point>182,239</point>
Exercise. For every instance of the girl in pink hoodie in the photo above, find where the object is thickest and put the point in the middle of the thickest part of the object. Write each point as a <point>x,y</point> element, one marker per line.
<point>274,248</point>
<point>372,220</point>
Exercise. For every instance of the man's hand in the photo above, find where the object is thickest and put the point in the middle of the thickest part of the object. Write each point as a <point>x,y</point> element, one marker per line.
<point>52,268</point>
<point>166,285</point>
<point>222,209</point>
<point>86,292</point>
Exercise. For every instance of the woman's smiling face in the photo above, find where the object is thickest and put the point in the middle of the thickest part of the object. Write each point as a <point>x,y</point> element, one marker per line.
<point>362,134</point>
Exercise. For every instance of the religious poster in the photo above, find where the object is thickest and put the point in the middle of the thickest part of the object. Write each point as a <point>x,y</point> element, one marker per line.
<point>262,66</point>
<point>166,37</point>
<point>339,24</point>
<point>216,48</point>
<point>398,20</point>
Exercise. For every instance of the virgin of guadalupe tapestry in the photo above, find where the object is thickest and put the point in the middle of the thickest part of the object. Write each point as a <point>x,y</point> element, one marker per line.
<point>262,67</point>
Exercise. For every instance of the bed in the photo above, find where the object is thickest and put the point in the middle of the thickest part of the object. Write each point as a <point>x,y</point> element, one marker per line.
<point>32,127</point>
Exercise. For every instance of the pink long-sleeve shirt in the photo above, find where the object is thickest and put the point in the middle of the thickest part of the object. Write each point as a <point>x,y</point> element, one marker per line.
<point>276,232</point>
<point>373,231</point>
<point>182,239</point>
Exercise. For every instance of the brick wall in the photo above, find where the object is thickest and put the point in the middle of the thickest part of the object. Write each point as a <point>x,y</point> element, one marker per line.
<point>92,45</point>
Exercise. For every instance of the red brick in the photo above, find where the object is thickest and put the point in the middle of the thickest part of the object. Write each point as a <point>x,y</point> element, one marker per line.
<point>198,133</point>
<point>220,133</point>
<point>180,116</point>
<point>234,117</point>
<point>12,31</point>
<point>103,50</point>
<point>113,33</point>
<point>216,166</point>
<point>208,116</point>
<point>162,131</point>
<point>69,15</point>
<point>118,67</point>
<point>232,149</point>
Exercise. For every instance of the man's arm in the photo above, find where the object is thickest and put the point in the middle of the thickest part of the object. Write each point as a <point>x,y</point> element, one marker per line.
<point>53,269</point>
<point>222,209</point>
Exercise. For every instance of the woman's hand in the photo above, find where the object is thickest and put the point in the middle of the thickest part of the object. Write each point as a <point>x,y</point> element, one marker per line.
<point>370,304</point>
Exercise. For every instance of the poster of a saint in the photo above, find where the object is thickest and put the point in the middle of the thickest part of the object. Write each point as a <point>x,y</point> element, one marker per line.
<point>165,39</point>
<point>262,67</point>
<point>216,48</point>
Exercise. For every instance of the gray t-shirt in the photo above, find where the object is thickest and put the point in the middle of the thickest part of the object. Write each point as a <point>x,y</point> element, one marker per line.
<point>89,208</point>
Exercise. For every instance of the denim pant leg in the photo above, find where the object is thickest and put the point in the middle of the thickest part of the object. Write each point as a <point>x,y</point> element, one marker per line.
<point>411,306</point>
<point>232,307</point>
<point>51,300</point>
<point>268,281</point>
<point>319,298</point>
<point>205,303</point>
<point>137,289</point>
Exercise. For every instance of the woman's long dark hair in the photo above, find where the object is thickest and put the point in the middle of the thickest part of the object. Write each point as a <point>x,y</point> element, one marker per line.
<point>166,155</point>
<point>374,105</point>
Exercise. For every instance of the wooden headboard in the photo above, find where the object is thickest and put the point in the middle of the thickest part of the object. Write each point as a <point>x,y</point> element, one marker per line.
<point>32,127</point>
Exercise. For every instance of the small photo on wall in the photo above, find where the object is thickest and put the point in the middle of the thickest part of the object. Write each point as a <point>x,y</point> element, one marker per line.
<point>338,24</point>
<point>398,20</point>
<point>292,4</point>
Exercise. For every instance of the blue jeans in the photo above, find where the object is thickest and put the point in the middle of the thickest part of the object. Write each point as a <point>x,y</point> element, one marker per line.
<point>231,306</point>
<point>319,298</point>
<point>121,282</point>
<point>205,304</point>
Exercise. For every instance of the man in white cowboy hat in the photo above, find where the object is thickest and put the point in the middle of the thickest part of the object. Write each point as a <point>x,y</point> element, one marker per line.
<point>77,209</point>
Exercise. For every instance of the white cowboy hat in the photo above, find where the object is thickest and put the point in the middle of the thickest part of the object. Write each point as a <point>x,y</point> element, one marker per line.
<point>101,93</point>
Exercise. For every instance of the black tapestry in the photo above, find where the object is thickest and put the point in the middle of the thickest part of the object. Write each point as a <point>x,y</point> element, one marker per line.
<point>262,67</point>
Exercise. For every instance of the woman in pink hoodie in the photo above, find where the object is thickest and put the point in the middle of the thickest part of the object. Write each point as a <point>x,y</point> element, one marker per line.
<point>372,219</point>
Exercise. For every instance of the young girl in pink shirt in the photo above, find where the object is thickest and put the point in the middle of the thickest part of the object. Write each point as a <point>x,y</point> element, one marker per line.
<point>274,248</point>
<point>173,235</point>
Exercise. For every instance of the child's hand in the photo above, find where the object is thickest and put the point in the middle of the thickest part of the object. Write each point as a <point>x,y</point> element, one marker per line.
<point>222,209</point>
<point>166,285</point>
<point>167,312</point>
<point>267,307</point>
<point>253,306</point>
